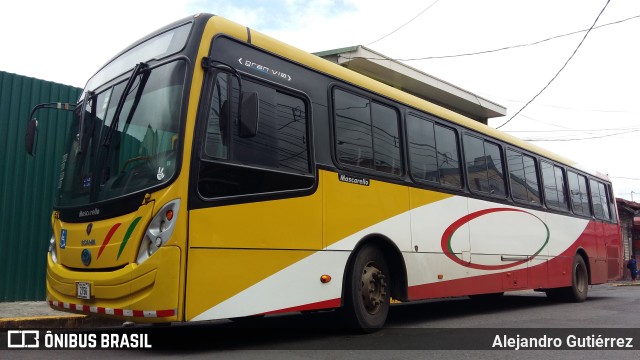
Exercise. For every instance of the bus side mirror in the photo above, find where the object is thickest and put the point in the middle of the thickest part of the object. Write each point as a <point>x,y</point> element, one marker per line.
<point>249,113</point>
<point>31,137</point>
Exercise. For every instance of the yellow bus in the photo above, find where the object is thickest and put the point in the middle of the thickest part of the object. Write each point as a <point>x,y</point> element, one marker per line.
<point>212,172</point>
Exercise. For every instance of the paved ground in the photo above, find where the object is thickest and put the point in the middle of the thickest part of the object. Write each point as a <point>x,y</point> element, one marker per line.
<point>38,315</point>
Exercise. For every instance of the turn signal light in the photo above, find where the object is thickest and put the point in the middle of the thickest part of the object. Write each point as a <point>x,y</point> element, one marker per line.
<point>325,278</point>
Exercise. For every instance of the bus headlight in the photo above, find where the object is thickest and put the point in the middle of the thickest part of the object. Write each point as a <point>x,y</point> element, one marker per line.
<point>52,249</point>
<point>159,230</point>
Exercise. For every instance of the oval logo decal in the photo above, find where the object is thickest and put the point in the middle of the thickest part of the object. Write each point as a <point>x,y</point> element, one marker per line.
<point>447,236</point>
<point>85,256</point>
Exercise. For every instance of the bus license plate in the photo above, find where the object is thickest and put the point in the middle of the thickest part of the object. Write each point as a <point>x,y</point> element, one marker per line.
<point>83,290</point>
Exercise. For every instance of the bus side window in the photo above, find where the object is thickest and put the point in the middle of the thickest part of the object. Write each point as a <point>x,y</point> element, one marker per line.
<point>596,200</point>
<point>599,200</point>
<point>433,152</point>
<point>523,177</point>
<point>611,200</point>
<point>448,158</point>
<point>579,194</point>
<point>422,149</point>
<point>276,159</point>
<point>561,183</point>
<point>554,186</point>
<point>606,212</point>
<point>386,140</point>
<point>484,166</point>
<point>367,133</point>
<point>354,138</point>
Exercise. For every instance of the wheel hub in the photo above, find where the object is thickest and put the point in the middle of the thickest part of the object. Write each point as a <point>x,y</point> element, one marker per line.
<point>374,288</point>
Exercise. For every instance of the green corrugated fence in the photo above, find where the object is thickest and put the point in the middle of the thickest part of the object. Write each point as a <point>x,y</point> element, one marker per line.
<point>28,184</point>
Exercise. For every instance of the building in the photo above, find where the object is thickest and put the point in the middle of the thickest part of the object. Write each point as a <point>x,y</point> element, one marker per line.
<point>415,82</point>
<point>629,214</point>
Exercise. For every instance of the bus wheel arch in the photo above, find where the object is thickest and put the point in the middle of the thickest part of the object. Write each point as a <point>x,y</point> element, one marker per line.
<point>375,272</point>
<point>581,252</point>
<point>580,275</point>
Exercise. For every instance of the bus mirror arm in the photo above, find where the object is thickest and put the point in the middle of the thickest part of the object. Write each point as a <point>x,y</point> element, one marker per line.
<point>31,133</point>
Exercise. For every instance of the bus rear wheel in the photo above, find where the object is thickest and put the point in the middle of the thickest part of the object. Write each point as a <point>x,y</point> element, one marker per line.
<point>367,297</point>
<point>577,292</point>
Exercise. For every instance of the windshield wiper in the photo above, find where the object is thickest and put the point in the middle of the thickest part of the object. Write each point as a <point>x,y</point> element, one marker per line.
<point>125,93</point>
<point>104,171</point>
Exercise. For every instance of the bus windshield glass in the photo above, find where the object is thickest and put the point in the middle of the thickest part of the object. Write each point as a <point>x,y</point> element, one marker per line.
<point>138,152</point>
<point>158,47</point>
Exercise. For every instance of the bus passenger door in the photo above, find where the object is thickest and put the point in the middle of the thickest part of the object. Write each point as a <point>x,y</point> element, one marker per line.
<point>255,207</point>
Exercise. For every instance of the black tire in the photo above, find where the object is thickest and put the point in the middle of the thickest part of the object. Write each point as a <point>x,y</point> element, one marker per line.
<point>367,290</point>
<point>579,281</point>
<point>579,288</point>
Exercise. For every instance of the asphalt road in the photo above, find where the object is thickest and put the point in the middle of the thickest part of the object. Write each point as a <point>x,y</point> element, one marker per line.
<point>458,328</point>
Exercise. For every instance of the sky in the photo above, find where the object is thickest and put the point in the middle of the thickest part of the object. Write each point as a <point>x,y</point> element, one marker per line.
<point>588,112</point>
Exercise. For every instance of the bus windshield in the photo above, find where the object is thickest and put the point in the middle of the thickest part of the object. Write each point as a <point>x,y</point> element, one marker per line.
<point>138,152</point>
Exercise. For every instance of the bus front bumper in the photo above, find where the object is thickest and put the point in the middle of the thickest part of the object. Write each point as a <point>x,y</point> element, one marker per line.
<point>148,292</point>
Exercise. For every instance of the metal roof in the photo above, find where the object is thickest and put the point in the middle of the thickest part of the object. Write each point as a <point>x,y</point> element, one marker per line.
<point>391,72</point>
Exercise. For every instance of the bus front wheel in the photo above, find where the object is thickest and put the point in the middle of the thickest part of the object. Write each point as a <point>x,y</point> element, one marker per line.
<point>367,296</point>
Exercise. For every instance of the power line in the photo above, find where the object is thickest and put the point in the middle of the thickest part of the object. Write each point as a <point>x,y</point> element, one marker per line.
<point>491,96</point>
<point>624,130</point>
<point>546,123</point>
<point>519,45</point>
<point>571,130</point>
<point>405,24</point>
<point>565,128</point>
<point>586,138</point>
<point>585,110</point>
<point>559,71</point>
<point>626,178</point>
<point>498,49</point>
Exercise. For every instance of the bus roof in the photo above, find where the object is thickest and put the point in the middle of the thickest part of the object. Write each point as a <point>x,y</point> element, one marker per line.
<point>324,66</point>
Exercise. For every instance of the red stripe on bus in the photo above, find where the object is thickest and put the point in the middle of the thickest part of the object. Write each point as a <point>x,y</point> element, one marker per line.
<point>165,313</point>
<point>115,312</point>
<point>108,238</point>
